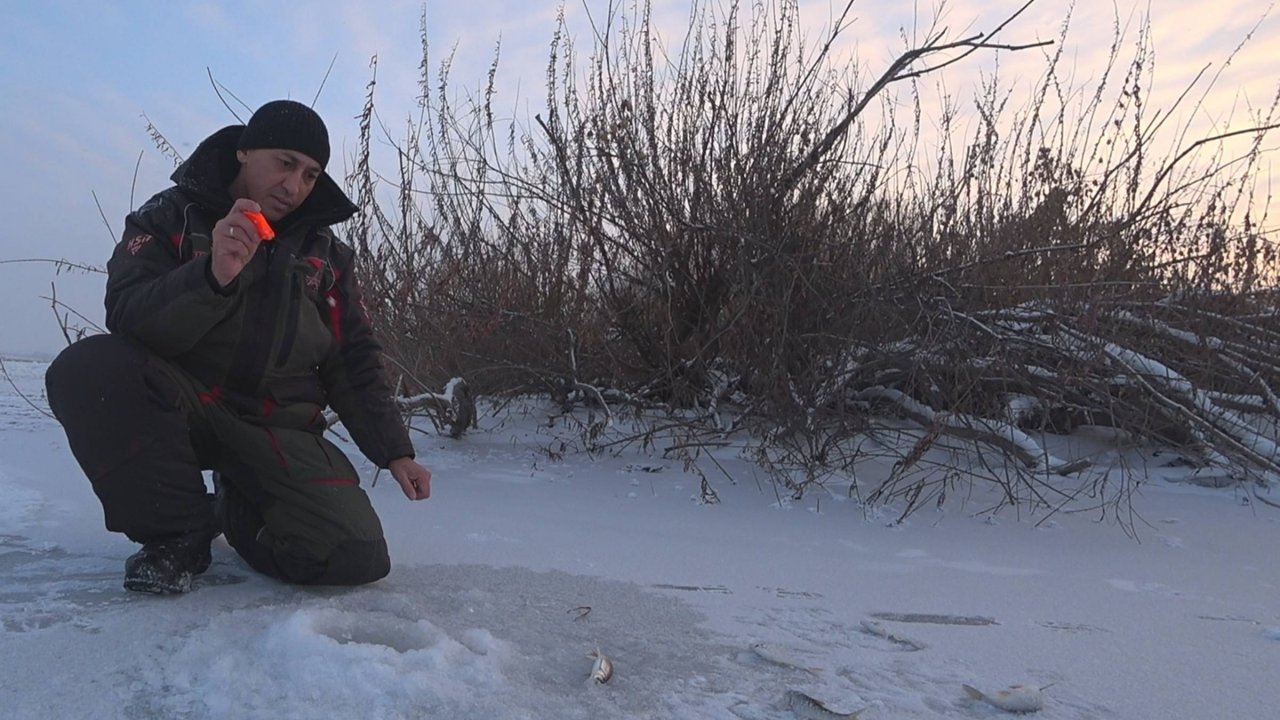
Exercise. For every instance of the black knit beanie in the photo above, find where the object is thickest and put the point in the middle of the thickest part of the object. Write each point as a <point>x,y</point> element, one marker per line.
<point>289,125</point>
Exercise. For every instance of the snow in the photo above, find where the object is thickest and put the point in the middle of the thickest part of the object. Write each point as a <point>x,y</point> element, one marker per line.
<point>521,565</point>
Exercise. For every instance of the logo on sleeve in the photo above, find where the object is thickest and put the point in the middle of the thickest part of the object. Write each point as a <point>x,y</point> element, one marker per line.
<point>137,243</point>
<point>316,275</point>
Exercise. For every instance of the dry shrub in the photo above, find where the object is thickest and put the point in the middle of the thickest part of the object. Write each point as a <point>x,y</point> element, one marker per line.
<point>744,222</point>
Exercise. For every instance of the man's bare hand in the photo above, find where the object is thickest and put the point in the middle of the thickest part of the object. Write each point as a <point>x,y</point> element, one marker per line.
<point>414,479</point>
<point>235,240</point>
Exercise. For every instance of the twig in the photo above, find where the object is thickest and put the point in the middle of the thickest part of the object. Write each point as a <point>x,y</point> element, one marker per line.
<point>218,88</point>
<point>133,186</point>
<point>59,263</point>
<point>325,79</point>
<point>5,371</point>
<point>111,233</point>
<point>162,143</point>
<point>896,72</point>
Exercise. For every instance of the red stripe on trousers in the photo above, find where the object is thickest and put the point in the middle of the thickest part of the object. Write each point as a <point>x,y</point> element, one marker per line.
<point>275,445</point>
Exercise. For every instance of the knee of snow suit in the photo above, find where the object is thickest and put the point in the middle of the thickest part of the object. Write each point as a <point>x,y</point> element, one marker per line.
<point>352,562</point>
<point>295,509</point>
<point>288,558</point>
<point>357,562</point>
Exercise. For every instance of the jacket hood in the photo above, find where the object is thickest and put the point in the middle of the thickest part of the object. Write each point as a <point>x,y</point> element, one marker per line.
<point>211,168</point>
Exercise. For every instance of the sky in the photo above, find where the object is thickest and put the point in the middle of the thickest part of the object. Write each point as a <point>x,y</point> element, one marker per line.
<point>77,79</point>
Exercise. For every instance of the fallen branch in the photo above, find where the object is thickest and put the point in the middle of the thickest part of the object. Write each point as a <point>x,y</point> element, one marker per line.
<point>1003,436</point>
<point>454,408</point>
<point>1210,422</point>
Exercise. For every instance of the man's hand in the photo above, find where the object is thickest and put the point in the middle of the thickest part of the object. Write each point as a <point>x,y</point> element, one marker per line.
<point>414,479</point>
<point>235,240</point>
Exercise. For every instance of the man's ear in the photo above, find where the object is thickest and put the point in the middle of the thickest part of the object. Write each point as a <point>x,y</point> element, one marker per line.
<point>242,155</point>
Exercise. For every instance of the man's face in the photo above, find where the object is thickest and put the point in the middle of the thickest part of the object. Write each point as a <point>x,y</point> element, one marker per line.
<point>278,180</point>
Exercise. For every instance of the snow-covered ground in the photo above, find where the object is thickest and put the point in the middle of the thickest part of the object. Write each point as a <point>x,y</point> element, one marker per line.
<point>523,563</point>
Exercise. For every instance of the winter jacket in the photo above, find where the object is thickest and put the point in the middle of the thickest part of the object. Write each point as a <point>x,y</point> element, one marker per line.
<point>285,338</point>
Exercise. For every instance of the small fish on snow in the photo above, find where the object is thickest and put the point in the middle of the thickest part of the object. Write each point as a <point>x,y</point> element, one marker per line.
<point>873,627</point>
<point>779,656</point>
<point>1015,698</point>
<point>602,670</point>
<point>810,708</point>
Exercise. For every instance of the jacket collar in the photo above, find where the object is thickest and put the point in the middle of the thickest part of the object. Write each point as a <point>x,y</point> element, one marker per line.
<point>211,168</point>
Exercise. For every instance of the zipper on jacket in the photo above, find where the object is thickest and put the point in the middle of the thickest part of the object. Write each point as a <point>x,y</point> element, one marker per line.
<point>290,322</point>
<point>257,338</point>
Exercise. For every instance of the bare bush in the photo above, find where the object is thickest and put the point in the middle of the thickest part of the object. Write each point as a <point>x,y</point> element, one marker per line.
<point>747,226</point>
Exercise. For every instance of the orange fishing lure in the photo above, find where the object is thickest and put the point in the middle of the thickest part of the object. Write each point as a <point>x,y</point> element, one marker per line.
<point>260,224</point>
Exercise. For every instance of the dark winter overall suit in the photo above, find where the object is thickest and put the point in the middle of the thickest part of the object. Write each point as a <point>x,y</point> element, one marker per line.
<point>235,380</point>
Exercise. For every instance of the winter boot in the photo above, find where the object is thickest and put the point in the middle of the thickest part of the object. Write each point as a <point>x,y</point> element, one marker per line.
<point>166,566</point>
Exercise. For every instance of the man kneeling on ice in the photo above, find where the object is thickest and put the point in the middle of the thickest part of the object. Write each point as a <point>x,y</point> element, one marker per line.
<point>229,334</point>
